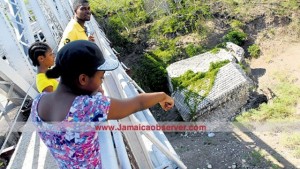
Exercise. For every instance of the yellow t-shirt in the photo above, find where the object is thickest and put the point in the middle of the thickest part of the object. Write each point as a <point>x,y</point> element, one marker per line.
<point>72,32</point>
<point>42,82</point>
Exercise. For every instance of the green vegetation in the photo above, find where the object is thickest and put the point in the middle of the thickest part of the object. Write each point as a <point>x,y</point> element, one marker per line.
<point>235,36</point>
<point>121,20</point>
<point>167,51</point>
<point>254,51</point>
<point>291,4</point>
<point>257,157</point>
<point>245,66</point>
<point>117,18</point>
<point>215,50</point>
<point>184,21</point>
<point>125,14</point>
<point>192,50</point>
<point>236,24</point>
<point>166,23</point>
<point>151,74</point>
<point>282,106</point>
<point>192,100</point>
<point>198,82</point>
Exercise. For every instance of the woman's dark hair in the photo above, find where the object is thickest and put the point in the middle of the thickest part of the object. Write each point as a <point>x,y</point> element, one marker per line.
<point>69,78</point>
<point>37,49</point>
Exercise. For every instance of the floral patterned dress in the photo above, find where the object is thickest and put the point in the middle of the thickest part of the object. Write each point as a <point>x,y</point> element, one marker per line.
<point>74,142</point>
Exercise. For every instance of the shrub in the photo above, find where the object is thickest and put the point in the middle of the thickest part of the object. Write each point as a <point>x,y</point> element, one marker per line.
<point>236,37</point>
<point>168,52</point>
<point>164,55</point>
<point>168,25</point>
<point>254,50</point>
<point>236,24</point>
<point>192,50</point>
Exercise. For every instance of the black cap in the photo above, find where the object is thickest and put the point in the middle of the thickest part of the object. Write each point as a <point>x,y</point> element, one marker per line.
<point>80,55</point>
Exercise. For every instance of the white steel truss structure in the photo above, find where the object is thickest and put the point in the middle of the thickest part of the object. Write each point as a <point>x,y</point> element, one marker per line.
<point>49,20</point>
<point>20,20</point>
<point>13,51</point>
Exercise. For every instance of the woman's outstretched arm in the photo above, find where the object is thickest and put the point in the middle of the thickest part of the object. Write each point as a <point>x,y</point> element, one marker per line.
<point>123,108</point>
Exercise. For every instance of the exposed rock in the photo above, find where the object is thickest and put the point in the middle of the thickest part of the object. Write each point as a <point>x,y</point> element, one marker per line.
<point>237,51</point>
